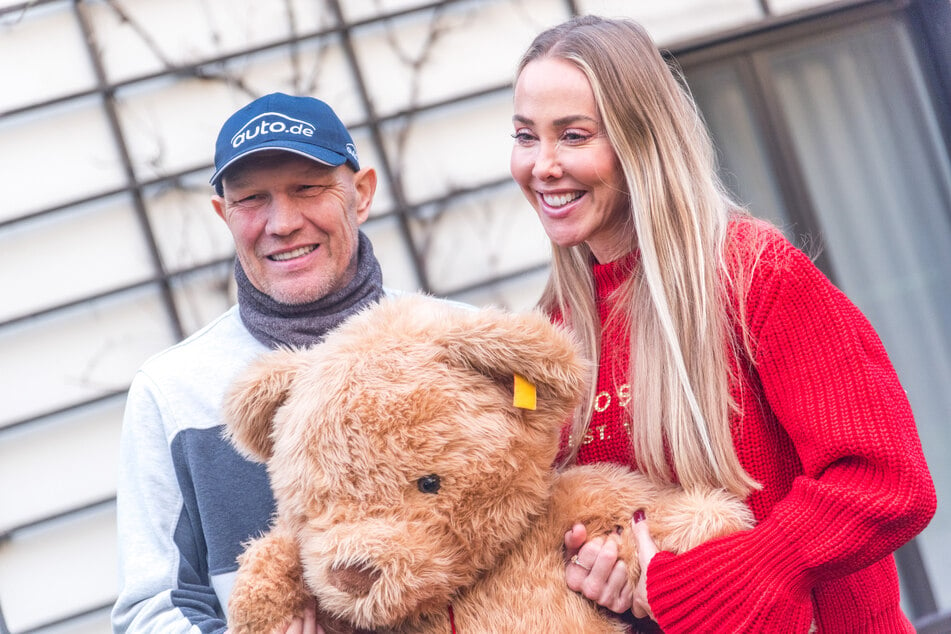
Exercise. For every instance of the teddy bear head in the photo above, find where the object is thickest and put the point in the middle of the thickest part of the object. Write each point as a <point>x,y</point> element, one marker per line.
<point>398,454</point>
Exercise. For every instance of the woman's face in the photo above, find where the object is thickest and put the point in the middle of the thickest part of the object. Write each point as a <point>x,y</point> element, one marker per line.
<point>563,161</point>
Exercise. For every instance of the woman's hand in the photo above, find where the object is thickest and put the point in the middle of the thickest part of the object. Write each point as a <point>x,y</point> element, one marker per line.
<point>646,549</point>
<point>594,570</point>
<point>306,624</point>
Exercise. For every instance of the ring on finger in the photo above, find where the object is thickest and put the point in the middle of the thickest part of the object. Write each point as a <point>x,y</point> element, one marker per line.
<point>574,559</point>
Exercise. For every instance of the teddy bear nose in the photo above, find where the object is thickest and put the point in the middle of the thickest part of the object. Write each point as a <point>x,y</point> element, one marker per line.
<point>356,579</point>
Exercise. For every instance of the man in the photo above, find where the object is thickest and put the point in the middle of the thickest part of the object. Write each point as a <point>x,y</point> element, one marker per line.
<point>290,188</point>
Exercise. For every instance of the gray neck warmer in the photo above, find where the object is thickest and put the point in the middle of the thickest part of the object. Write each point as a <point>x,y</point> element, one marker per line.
<point>299,325</point>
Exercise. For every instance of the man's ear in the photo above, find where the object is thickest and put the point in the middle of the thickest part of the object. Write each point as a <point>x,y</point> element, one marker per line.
<point>365,183</point>
<point>219,205</point>
<point>253,400</point>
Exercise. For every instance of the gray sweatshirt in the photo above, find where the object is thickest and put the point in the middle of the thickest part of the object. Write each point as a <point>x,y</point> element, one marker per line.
<point>186,500</point>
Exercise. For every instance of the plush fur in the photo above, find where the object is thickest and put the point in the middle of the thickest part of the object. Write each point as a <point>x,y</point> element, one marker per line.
<point>407,482</point>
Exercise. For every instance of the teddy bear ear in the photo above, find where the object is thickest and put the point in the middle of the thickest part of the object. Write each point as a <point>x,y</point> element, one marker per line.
<point>253,400</point>
<point>544,356</point>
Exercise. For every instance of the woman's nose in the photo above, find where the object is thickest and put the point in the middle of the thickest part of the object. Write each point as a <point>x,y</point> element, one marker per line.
<point>547,166</point>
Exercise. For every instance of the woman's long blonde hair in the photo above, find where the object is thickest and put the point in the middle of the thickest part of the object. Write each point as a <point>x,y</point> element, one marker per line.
<point>675,306</point>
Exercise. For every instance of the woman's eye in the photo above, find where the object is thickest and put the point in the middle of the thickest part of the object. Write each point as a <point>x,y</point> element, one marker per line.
<point>523,137</point>
<point>428,484</point>
<point>575,137</point>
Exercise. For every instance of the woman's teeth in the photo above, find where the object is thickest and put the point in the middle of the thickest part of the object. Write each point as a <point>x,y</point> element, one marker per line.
<point>560,200</point>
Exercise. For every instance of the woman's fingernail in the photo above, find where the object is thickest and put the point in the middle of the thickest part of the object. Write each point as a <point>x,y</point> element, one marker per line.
<point>639,516</point>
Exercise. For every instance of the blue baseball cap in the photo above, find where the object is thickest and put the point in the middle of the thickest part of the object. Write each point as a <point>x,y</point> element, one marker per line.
<point>302,125</point>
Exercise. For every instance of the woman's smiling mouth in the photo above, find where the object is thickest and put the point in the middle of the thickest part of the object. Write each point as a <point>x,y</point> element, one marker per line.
<point>560,200</point>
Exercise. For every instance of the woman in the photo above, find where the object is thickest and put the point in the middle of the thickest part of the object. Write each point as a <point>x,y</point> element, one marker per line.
<point>726,359</point>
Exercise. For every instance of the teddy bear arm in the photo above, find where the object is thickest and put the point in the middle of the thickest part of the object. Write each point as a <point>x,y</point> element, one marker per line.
<point>269,587</point>
<point>603,498</point>
<point>683,520</point>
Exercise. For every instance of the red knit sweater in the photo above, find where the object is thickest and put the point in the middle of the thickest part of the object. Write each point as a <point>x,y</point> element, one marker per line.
<point>826,429</point>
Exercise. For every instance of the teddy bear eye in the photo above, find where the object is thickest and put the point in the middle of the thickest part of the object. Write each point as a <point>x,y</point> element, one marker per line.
<point>429,483</point>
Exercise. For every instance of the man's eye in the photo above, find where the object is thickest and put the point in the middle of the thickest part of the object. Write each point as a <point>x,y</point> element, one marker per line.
<point>310,189</point>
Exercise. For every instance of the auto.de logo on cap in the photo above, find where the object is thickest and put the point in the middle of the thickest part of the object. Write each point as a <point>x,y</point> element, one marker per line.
<point>271,123</point>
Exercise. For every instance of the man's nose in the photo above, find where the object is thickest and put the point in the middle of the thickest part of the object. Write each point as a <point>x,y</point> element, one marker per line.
<point>284,216</point>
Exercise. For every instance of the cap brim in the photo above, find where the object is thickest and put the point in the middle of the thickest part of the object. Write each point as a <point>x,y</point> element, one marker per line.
<point>315,153</point>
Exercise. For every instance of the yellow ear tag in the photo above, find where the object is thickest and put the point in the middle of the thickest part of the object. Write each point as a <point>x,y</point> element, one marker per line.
<point>525,397</point>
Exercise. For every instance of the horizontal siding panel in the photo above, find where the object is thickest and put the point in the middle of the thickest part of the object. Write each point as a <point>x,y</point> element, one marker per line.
<point>67,461</point>
<point>357,10</point>
<point>55,155</point>
<point>394,254</point>
<point>60,70</point>
<point>96,622</point>
<point>479,237</point>
<point>520,292</point>
<point>79,354</point>
<point>677,20</point>
<point>203,295</point>
<point>139,38</point>
<point>441,151</point>
<point>433,56</point>
<point>67,237</point>
<point>791,6</point>
<point>186,228</point>
<point>62,568</point>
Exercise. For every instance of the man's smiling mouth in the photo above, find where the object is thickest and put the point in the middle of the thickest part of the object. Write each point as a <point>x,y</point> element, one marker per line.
<point>290,255</point>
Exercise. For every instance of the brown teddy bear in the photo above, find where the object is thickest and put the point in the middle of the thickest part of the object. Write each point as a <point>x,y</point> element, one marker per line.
<point>410,455</point>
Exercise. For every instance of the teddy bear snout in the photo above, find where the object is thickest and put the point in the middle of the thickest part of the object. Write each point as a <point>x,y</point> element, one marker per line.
<point>354,579</point>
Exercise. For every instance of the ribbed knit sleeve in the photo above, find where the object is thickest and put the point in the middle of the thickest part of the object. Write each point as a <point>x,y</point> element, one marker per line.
<point>863,488</point>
